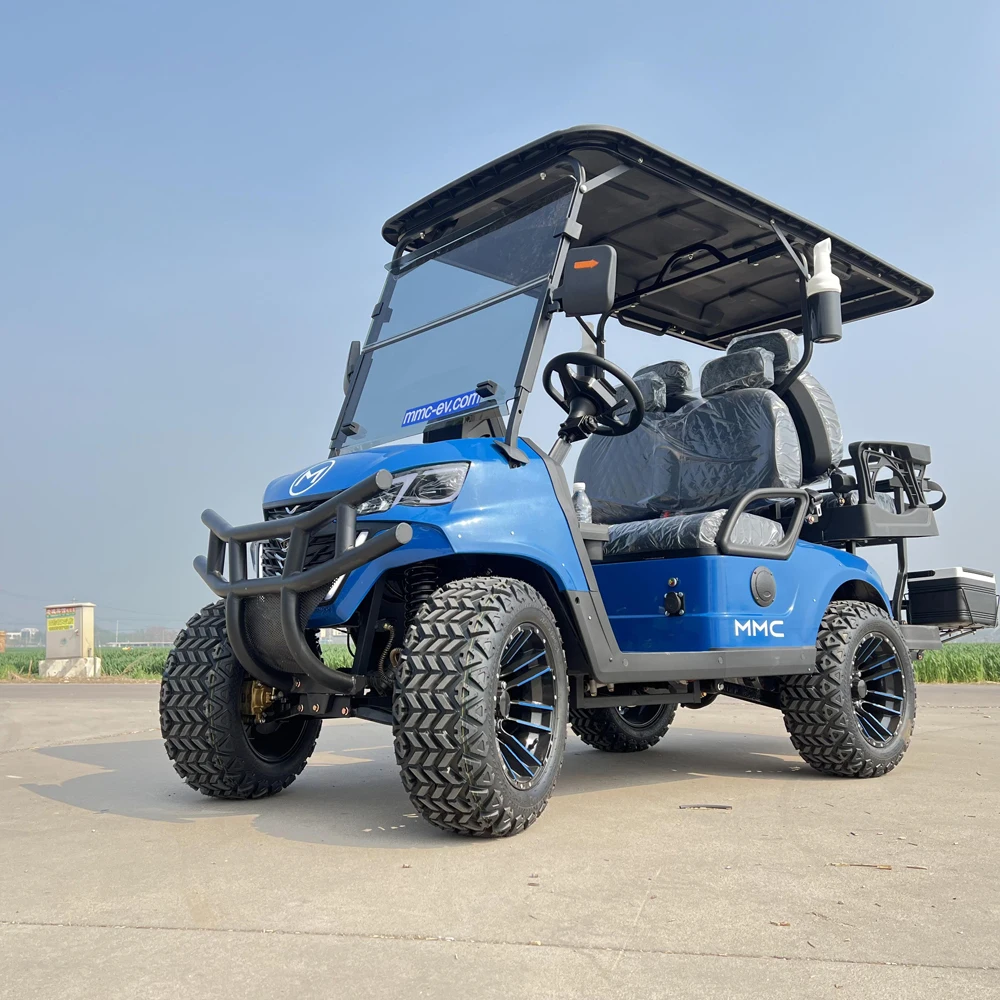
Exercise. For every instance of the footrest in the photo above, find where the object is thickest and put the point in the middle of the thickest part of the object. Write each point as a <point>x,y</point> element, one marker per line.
<point>919,637</point>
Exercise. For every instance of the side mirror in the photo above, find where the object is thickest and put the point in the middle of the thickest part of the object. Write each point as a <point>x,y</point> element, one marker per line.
<point>589,278</point>
<point>353,357</point>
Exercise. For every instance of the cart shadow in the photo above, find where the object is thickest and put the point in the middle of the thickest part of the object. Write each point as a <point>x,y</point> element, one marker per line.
<point>352,796</point>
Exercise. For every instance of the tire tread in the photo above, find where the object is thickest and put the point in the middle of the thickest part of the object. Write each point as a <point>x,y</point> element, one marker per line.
<point>196,717</point>
<point>444,704</point>
<point>818,713</point>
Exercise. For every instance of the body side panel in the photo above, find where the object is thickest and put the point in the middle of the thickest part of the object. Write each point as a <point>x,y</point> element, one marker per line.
<point>719,609</point>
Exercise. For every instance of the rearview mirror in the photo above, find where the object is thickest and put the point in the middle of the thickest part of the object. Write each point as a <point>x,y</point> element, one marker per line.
<point>353,357</point>
<point>588,285</point>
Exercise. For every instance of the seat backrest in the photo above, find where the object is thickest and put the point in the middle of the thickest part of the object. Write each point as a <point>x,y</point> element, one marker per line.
<point>705,454</point>
<point>820,435</point>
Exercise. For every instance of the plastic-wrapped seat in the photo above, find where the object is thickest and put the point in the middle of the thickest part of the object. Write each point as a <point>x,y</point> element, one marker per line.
<point>690,533</point>
<point>666,486</point>
<point>810,405</point>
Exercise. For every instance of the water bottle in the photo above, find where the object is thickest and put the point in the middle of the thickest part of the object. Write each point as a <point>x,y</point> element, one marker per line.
<point>581,503</point>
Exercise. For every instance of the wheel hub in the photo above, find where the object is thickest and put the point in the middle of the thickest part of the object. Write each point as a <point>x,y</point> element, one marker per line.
<point>878,689</point>
<point>525,705</point>
<point>503,701</point>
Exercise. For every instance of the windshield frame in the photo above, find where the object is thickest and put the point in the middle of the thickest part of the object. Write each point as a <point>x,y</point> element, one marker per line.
<point>570,179</point>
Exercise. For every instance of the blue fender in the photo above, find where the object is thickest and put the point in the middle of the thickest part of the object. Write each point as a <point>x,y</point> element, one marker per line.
<point>501,511</point>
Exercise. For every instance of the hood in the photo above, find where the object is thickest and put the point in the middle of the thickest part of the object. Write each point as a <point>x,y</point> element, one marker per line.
<point>329,476</point>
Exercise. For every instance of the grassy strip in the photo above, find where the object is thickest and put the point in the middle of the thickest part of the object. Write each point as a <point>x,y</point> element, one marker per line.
<point>142,663</point>
<point>958,663</point>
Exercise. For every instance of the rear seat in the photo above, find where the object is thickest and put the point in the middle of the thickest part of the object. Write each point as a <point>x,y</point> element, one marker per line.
<point>820,435</point>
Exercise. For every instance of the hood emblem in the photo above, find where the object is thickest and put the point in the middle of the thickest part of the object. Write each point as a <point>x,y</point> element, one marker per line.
<point>306,480</point>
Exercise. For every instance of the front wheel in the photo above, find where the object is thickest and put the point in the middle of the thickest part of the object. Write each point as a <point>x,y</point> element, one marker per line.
<point>208,724</point>
<point>479,714</point>
<point>854,717</point>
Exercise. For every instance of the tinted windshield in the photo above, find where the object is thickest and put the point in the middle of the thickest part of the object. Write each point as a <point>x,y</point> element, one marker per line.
<point>453,319</point>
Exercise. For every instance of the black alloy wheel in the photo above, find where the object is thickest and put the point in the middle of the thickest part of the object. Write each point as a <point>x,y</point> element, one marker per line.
<point>878,689</point>
<point>525,705</point>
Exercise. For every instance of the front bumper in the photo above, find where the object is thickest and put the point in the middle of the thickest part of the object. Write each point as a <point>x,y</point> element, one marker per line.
<point>266,616</point>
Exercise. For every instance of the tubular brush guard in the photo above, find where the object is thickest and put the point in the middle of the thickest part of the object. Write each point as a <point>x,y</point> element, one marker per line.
<point>272,612</point>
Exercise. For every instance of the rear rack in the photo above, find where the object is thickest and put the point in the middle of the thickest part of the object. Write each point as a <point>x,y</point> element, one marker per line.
<point>298,589</point>
<point>866,521</point>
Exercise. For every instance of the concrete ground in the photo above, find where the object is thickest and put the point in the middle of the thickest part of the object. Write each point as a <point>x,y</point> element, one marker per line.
<point>117,881</point>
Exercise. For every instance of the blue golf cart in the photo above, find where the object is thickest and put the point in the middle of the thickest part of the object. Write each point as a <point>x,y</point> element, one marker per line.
<point>710,544</point>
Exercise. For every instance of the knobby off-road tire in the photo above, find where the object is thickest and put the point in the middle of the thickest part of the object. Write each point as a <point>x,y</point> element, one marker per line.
<point>212,746</point>
<point>836,731</point>
<point>625,730</point>
<point>461,693</point>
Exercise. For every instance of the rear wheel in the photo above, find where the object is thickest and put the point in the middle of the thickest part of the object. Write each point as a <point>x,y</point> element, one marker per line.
<point>480,707</point>
<point>626,729</point>
<point>854,717</point>
<point>207,719</point>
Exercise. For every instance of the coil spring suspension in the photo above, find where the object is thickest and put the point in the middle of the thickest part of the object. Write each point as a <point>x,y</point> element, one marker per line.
<point>420,581</point>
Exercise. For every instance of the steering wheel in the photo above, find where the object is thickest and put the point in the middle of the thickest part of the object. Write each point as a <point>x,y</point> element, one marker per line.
<point>590,399</point>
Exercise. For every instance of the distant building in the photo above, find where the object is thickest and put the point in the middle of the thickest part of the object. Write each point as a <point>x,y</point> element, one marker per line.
<point>23,637</point>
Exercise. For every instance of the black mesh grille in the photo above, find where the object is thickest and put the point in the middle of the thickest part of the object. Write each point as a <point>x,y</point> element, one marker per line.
<point>321,546</point>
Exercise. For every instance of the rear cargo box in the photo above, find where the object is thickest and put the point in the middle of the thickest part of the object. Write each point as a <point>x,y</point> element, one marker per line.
<point>952,598</point>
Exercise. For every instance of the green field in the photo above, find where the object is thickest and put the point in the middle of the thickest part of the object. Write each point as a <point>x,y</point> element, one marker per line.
<point>142,663</point>
<point>960,663</point>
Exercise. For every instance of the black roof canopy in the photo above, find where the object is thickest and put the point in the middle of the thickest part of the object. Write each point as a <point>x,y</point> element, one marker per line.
<point>709,247</point>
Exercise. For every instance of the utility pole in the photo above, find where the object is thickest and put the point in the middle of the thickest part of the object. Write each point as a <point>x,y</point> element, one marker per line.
<point>116,631</point>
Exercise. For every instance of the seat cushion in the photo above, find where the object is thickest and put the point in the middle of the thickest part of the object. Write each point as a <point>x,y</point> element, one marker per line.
<point>687,533</point>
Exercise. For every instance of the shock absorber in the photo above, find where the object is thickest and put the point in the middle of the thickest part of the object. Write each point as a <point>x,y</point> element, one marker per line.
<point>420,581</point>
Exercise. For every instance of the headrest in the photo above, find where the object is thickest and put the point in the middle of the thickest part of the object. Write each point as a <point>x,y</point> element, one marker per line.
<point>661,383</point>
<point>675,376</point>
<point>749,369</point>
<point>783,344</point>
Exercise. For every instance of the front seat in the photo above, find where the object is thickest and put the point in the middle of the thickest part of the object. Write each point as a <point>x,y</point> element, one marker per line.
<point>676,474</point>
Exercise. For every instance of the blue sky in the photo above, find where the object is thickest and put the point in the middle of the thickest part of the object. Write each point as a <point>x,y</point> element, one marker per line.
<point>191,198</point>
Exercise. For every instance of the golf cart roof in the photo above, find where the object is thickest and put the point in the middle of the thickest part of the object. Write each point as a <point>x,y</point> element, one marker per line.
<point>698,258</point>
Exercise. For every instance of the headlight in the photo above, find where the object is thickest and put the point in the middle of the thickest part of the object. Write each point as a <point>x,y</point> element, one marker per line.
<point>430,486</point>
<point>435,484</point>
<point>381,501</point>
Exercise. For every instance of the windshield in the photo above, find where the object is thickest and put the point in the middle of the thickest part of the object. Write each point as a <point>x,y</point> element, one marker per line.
<point>451,319</point>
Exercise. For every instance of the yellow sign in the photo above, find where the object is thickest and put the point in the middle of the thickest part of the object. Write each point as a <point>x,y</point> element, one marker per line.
<point>60,624</point>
